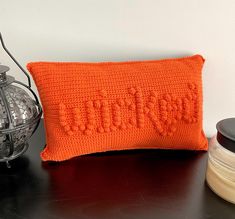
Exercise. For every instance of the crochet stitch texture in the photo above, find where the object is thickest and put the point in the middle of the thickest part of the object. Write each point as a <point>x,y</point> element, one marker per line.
<point>96,107</point>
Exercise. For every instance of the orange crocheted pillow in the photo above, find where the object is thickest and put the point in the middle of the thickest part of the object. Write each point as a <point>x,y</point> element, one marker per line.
<point>96,107</point>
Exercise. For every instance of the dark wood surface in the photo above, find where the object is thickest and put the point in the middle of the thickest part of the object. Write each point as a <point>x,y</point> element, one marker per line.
<point>128,184</point>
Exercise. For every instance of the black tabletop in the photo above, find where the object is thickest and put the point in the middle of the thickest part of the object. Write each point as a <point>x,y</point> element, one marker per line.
<point>127,184</point>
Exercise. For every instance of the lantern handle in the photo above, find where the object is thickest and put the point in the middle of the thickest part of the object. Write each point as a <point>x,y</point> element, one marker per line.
<point>12,57</point>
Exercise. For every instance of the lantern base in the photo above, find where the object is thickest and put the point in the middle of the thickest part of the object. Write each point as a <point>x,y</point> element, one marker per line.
<point>19,151</point>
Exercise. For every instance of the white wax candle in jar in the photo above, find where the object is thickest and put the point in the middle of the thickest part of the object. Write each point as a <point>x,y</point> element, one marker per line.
<point>220,174</point>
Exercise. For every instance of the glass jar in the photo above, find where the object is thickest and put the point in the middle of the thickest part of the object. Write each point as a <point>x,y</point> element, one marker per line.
<point>220,174</point>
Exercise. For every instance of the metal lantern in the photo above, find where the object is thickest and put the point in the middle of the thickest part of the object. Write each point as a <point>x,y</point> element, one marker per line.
<point>19,113</point>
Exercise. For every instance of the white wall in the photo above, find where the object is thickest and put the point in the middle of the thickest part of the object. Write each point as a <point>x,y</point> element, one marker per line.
<point>105,30</point>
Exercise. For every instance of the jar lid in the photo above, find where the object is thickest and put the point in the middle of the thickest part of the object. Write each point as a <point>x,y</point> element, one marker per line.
<point>226,133</point>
